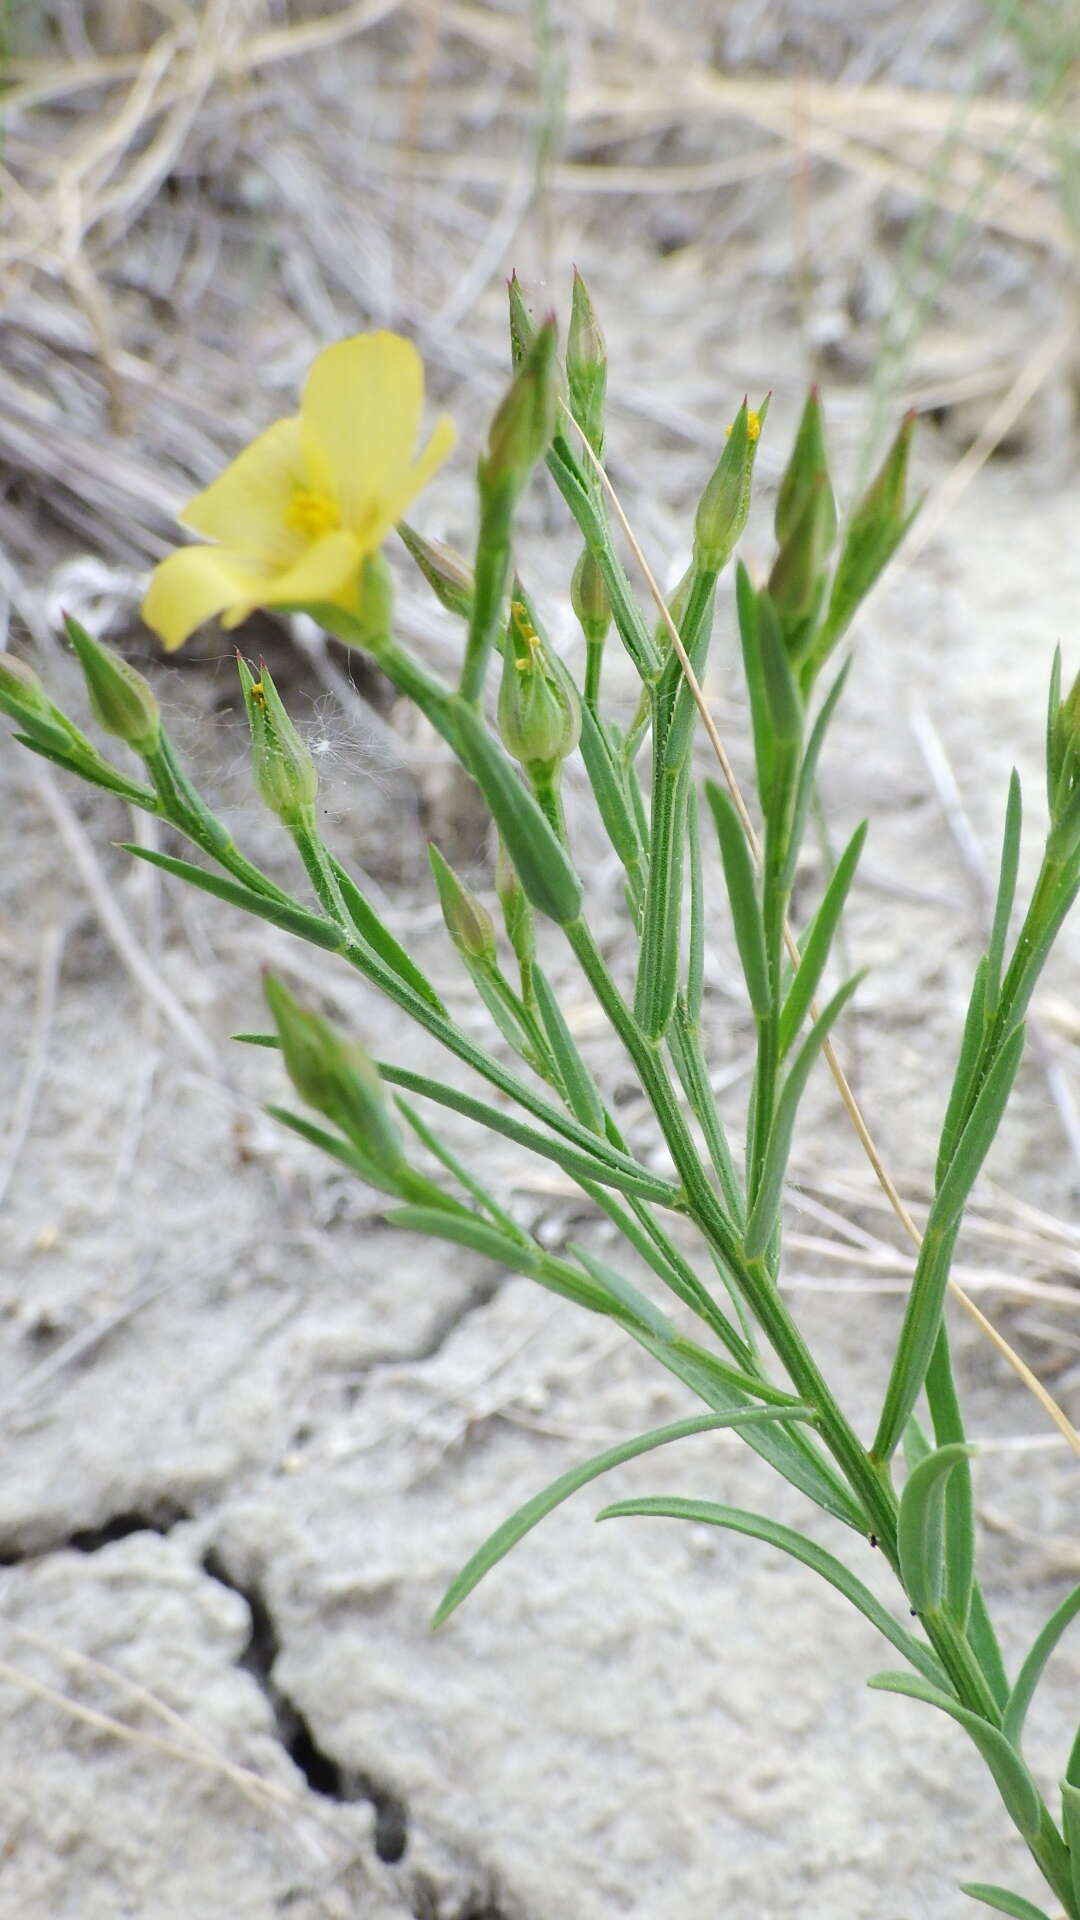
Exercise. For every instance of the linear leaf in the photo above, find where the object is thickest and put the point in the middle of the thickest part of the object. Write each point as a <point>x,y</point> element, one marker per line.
<point>1032,1670</point>
<point>818,941</point>
<point>581,1095</point>
<point>743,899</point>
<point>791,1453</point>
<point>96,771</point>
<point>971,1045</point>
<point>381,940</point>
<point>609,793</point>
<point>338,1148</point>
<point>1070,1807</point>
<point>959,1515</point>
<point>632,1298</point>
<point>1002,1901</point>
<point>984,1645</point>
<point>319,933</point>
<point>479,1236</point>
<point>757,1527</point>
<point>499,1543</point>
<point>1011,1777</point>
<point>609,1167</point>
<point>808,771</point>
<point>921,1525</point>
<point>747,606</point>
<point>765,1214</point>
<point>695,959</point>
<point>974,1143</point>
<point>1006,891</point>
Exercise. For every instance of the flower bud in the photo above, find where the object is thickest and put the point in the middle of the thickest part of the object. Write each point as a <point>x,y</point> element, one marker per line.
<point>468,922</point>
<point>521,326</point>
<point>796,582</point>
<point>337,1077</point>
<point>875,530</point>
<point>725,503</point>
<point>522,428</point>
<point>448,575</point>
<point>285,776</point>
<point>808,464</point>
<point>21,692</point>
<point>539,708</point>
<point>586,367</point>
<point>589,599</point>
<point>122,702</point>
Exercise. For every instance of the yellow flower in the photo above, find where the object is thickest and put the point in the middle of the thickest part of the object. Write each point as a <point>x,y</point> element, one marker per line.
<point>299,511</point>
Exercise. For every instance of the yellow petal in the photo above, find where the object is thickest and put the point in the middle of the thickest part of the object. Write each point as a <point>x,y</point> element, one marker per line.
<point>361,413</point>
<point>196,583</point>
<point>245,509</point>
<point>442,443</point>
<point>327,571</point>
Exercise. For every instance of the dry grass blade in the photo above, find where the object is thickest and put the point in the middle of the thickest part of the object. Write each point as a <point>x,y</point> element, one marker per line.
<point>843,1086</point>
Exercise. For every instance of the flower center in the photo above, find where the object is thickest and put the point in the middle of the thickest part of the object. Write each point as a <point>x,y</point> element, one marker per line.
<point>311,513</point>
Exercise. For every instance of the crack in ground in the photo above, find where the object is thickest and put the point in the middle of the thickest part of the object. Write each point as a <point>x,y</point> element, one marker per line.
<point>158,1516</point>
<point>324,1774</point>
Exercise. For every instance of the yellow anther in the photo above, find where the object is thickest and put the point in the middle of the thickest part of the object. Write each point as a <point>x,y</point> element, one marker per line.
<point>753,427</point>
<point>311,514</point>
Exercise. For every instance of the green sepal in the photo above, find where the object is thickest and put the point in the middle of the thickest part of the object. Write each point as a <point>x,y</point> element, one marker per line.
<point>529,1515</point>
<point>921,1536</point>
<point>819,941</point>
<point>1011,1777</point>
<point>825,1565</point>
<point>318,933</point>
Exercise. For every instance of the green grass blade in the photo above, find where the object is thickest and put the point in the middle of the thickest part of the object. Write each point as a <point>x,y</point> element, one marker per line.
<point>608,1167</point>
<point>499,1543</point>
<point>581,1092</point>
<point>319,933</point>
<point>818,942</point>
<point>765,1214</point>
<point>921,1526</point>
<point>1006,891</point>
<point>1012,1779</point>
<point>1002,1901</point>
<point>743,899</point>
<point>824,1564</point>
<point>1031,1672</point>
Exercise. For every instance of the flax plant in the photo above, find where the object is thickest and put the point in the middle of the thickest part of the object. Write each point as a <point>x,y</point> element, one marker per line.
<point>298,521</point>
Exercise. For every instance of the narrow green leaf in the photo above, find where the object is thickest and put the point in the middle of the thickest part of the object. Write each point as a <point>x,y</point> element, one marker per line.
<point>1011,1777</point>
<point>657,979</point>
<point>917,1336</point>
<point>379,938</point>
<point>1002,1901</point>
<point>757,1527</point>
<point>765,1215</point>
<point>1006,892</point>
<point>338,1148</point>
<point>96,771</point>
<point>695,960</point>
<point>785,706</point>
<point>974,1143</point>
<point>818,941</point>
<point>921,1526</point>
<point>1031,1672</point>
<point>747,608</point>
<point>808,771</point>
<point>499,1543</point>
<point>959,1513</point>
<point>543,864</point>
<point>461,1173</point>
<point>609,793</point>
<point>1053,755</point>
<point>788,1450</point>
<point>967,1066</point>
<point>581,1094</point>
<point>743,899</point>
<point>319,933</point>
<point>256,1039</point>
<point>984,1645</point>
<point>632,1298</point>
<point>1070,1808</point>
<point>609,1168</point>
